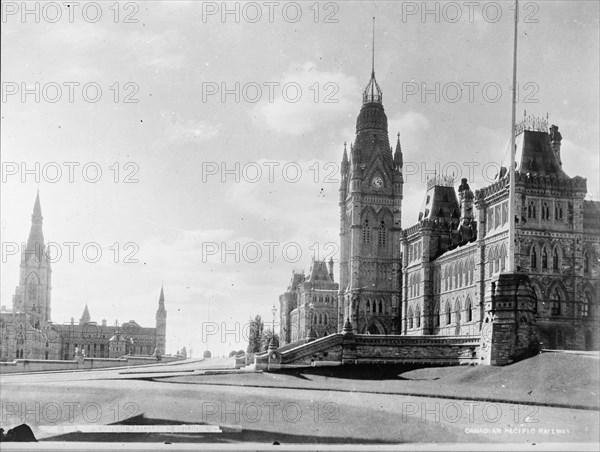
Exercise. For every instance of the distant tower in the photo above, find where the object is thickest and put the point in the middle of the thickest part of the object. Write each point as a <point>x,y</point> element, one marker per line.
<point>161,324</point>
<point>85,317</point>
<point>32,295</point>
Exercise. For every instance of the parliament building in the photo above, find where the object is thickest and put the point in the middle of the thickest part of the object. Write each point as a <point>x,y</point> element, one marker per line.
<point>432,278</point>
<point>27,332</point>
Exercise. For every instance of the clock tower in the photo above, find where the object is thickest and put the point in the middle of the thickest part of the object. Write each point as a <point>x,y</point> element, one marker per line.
<point>370,218</point>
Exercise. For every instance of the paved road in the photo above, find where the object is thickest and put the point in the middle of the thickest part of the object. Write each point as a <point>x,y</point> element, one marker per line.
<point>57,405</point>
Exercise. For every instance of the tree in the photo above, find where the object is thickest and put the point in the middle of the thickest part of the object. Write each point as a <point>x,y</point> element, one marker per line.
<point>255,334</point>
<point>232,353</point>
<point>184,352</point>
<point>267,336</point>
<point>207,354</point>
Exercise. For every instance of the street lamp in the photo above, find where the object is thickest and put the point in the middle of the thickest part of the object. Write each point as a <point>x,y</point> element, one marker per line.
<point>274,311</point>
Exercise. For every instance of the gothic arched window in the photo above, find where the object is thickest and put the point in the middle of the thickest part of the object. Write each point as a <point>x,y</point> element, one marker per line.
<point>531,210</point>
<point>502,258</point>
<point>469,308</point>
<point>380,307</point>
<point>558,211</point>
<point>418,317</point>
<point>410,318</point>
<point>533,257</point>
<point>555,259</point>
<point>556,302</point>
<point>32,288</point>
<point>366,232</point>
<point>586,262</point>
<point>436,315</point>
<point>586,303</point>
<point>448,314</point>
<point>545,211</point>
<point>382,234</point>
<point>544,257</point>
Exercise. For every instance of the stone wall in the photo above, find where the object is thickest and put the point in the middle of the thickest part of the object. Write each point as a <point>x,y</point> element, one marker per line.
<point>43,365</point>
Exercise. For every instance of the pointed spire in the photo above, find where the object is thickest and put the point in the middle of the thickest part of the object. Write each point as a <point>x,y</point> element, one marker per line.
<point>398,154</point>
<point>372,92</point>
<point>161,312</point>
<point>85,317</point>
<point>35,242</point>
<point>37,208</point>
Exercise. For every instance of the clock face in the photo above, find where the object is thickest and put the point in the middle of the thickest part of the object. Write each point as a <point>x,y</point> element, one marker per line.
<point>377,183</point>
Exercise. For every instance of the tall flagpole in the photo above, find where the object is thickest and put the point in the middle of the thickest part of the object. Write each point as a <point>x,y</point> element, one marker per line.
<point>511,184</point>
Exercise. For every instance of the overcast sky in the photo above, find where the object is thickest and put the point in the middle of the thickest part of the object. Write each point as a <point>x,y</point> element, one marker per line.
<point>163,123</point>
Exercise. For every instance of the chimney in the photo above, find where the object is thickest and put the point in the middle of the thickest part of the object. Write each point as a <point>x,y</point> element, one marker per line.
<point>331,268</point>
<point>555,139</point>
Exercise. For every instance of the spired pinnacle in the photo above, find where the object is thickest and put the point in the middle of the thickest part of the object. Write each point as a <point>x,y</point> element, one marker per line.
<point>35,242</point>
<point>372,92</point>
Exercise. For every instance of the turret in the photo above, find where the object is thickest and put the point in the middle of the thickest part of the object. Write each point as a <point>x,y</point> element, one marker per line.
<point>555,139</point>
<point>330,265</point>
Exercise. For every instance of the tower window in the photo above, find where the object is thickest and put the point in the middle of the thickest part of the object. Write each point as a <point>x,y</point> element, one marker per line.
<point>366,232</point>
<point>533,257</point>
<point>382,233</point>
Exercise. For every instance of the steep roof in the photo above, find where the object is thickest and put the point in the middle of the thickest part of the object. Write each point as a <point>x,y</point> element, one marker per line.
<point>319,272</point>
<point>440,200</point>
<point>535,154</point>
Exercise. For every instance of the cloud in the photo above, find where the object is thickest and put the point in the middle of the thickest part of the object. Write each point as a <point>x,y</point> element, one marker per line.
<point>306,99</point>
<point>178,131</point>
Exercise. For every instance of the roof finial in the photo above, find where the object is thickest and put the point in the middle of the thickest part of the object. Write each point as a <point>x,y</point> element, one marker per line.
<point>373,50</point>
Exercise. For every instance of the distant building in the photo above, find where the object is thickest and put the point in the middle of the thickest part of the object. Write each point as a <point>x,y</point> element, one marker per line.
<point>28,331</point>
<point>309,307</point>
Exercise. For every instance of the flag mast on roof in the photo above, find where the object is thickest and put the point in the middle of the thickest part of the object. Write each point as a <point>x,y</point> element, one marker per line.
<point>511,184</point>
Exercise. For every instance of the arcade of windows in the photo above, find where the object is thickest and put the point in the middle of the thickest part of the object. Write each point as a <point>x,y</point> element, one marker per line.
<point>446,319</point>
<point>545,208</point>
<point>320,319</point>
<point>454,276</point>
<point>497,258</point>
<point>374,307</point>
<point>542,260</point>
<point>381,233</point>
<point>414,285</point>
<point>414,251</point>
<point>322,299</point>
<point>497,216</point>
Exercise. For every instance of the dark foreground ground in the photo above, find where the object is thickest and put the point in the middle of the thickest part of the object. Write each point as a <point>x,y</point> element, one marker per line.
<point>547,402</point>
<point>553,379</point>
